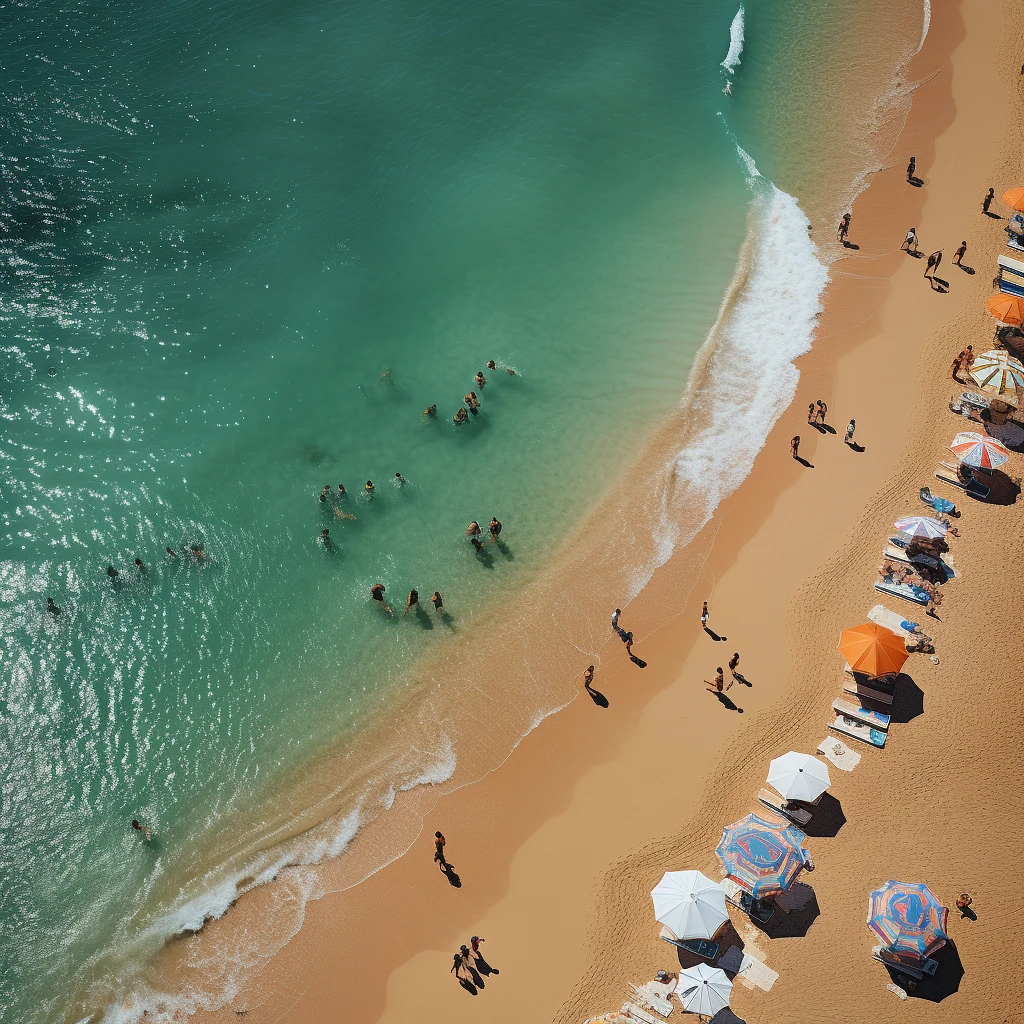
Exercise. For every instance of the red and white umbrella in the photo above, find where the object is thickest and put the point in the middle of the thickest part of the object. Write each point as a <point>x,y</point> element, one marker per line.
<point>979,451</point>
<point>921,526</point>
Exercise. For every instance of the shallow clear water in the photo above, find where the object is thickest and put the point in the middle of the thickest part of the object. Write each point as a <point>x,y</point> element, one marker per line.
<point>221,224</point>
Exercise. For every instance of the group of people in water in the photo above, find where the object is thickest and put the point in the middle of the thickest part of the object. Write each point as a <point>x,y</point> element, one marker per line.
<point>474,532</point>
<point>471,401</point>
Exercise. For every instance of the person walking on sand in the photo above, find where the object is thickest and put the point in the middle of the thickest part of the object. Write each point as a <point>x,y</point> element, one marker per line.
<point>910,242</point>
<point>850,428</point>
<point>958,365</point>
<point>734,663</point>
<point>987,201</point>
<point>794,447</point>
<point>588,678</point>
<point>438,602</point>
<point>911,167</point>
<point>482,965</point>
<point>822,409</point>
<point>961,250</point>
<point>844,228</point>
<point>704,616</point>
<point>933,263</point>
<point>377,593</point>
<point>412,601</point>
<point>439,858</point>
<point>812,412</point>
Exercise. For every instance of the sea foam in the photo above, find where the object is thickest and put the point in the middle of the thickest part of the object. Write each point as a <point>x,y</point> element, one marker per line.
<point>732,58</point>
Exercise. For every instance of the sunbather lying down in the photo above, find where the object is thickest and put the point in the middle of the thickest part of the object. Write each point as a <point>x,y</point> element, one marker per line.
<point>919,645</point>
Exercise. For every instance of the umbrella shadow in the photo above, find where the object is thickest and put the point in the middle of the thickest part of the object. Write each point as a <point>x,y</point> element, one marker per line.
<point>1003,490</point>
<point>798,921</point>
<point>934,988</point>
<point>827,818</point>
<point>907,702</point>
<point>726,937</point>
<point>726,1016</point>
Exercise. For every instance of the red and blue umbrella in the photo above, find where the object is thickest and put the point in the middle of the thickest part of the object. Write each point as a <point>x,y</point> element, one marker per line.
<point>908,918</point>
<point>762,857</point>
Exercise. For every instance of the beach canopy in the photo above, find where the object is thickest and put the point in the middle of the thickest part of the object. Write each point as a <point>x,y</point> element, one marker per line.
<point>872,649</point>
<point>1014,198</point>
<point>978,450</point>
<point>762,857</point>
<point>921,526</point>
<point>999,374</point>
<point>798,776</point>
<point>704,990</point>
<point>1007,309</point>
<point>689,904</point>
<point>908,918</point>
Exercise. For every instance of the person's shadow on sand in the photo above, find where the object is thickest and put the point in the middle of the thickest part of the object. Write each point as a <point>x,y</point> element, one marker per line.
<point>803,462</point>
<point>966,269</point>
<point>449,872</point>
<point>915,181</point>
<point>596,696</point>
<point>854,447</point>
<point>850,245</point>
<point>467,985</point>
<point>726,702</point>
<point>938,285</point>
<point>714,636</point>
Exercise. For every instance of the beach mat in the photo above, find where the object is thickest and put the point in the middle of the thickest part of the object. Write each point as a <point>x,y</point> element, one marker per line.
<point>859,731</point>
<point>890,619</point>
<point>836,752</point>
<point>755,973</point>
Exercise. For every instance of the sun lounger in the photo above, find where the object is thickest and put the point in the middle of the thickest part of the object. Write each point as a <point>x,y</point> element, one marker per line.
<point>1011,266</point>
<point>948,475</point>
<point>869,689</point>
<point>905,590</point>
<point>915,968</point>
<point>861,714</point>
<point>1015,242</point>
<point>744,901</point>
<point>700,947</point>
<point>942,565</point>
<point>780,806</point>
<point>1010,287</point>
<point>859,731</point>
<point>638,1013</point>
<point>651,1000</point>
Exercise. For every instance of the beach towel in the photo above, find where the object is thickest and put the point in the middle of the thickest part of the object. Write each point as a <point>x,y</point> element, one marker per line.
<point>890,619</point>
<point>754,973</point>
<point>859,731</point>
<point>905,590</point>
<point>838,753</point>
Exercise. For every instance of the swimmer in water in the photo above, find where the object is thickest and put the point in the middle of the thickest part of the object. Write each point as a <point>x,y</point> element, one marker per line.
<point>400,480</point>
<point>431,411</point>
<point>481,380</point>
<point>325,538</point>
<point>140,567</point>
<point>438,602</point>
<point>377,593</point>
<point>323,496</point>
<point>460,417</point>
<point>369,487</point>
<point>198,553</point>
<point>473,530</point>
<point>139,827</point>
<point>341,490</point>
<point>490,364</point>
<point>411,602</point>
<point>171,553</point>
<point>112,572</point>
<point>470,399</point>
<point>54,610</point>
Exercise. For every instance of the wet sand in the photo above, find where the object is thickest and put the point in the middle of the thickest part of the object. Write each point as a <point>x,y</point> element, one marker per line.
<point>556,850</point>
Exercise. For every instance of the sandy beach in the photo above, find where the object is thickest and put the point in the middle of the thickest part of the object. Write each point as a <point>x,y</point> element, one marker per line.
<point>556,850</point>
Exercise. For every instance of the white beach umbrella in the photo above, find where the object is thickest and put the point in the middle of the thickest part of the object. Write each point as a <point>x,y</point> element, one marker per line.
<point>798,776</point>
<point>690,904</point>
<point>921,526</point>
<point>1000,373</point>
<point>704,989</point>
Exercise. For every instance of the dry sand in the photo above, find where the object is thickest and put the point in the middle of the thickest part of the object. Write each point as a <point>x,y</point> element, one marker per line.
<point>557,850</point>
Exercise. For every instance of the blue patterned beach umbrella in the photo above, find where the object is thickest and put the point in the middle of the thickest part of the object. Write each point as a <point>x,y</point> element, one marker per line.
<point>763,858</point>
<point>908,918</point>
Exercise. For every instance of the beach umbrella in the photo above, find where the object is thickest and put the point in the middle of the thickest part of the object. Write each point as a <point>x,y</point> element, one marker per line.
<point>704,990</point>
<point>762,857</point>
<point>872,649</point>
<point>921,526</point>
<point>1014,198</point>
<point>1007,309</point>
<point>689,904</point>
<point>798,776</point>
<point>908,918</point>
<point>999,374</point>
<point>978,450</point>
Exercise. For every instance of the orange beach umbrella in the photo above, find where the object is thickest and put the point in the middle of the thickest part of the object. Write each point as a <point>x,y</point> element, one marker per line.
<point>1014,198</point>
<point>872,649</point>
<point>1007,309</point>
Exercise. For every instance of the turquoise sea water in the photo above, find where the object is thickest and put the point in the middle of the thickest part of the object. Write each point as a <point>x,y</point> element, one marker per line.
<point>242,247</point>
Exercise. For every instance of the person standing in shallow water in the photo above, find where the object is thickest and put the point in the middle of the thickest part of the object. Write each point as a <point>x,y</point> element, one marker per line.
<point>377,593</point>
<point>911,168</point>
<point>843,231</point>
<point>411,602</point>
<point>438,602</point>
<point>439,857</point>
<point>495,527</point>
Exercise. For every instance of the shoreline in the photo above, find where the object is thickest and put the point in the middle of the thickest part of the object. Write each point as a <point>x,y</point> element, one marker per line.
<point>838,340</point>
<point>727,547</point>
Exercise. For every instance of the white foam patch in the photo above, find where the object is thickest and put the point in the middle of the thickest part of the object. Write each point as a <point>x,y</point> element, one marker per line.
<point>926,25</point>
<point>732,58</point>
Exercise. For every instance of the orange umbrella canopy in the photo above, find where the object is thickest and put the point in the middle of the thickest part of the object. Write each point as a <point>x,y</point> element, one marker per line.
<point>1014,198</point>
<point>872,649</point>
<point>1007,309</point>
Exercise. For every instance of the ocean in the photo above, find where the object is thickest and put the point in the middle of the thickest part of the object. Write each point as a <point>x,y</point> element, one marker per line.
<point>244,247</point>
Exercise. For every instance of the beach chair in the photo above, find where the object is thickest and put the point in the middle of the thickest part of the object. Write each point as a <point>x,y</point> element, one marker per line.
<point>742,900</point>
<point>1010,287</point>
<point>1011,268</point>
<point>638,1013</point>
<point>947,474</point>
<point>651,1000</point>
<point>907,591</point>
<point>915,970</point>
<point>869,689</point>
<point>859,731</point>
<point>700,947</point>
<point>862,714</point>
<point>780,806</point>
